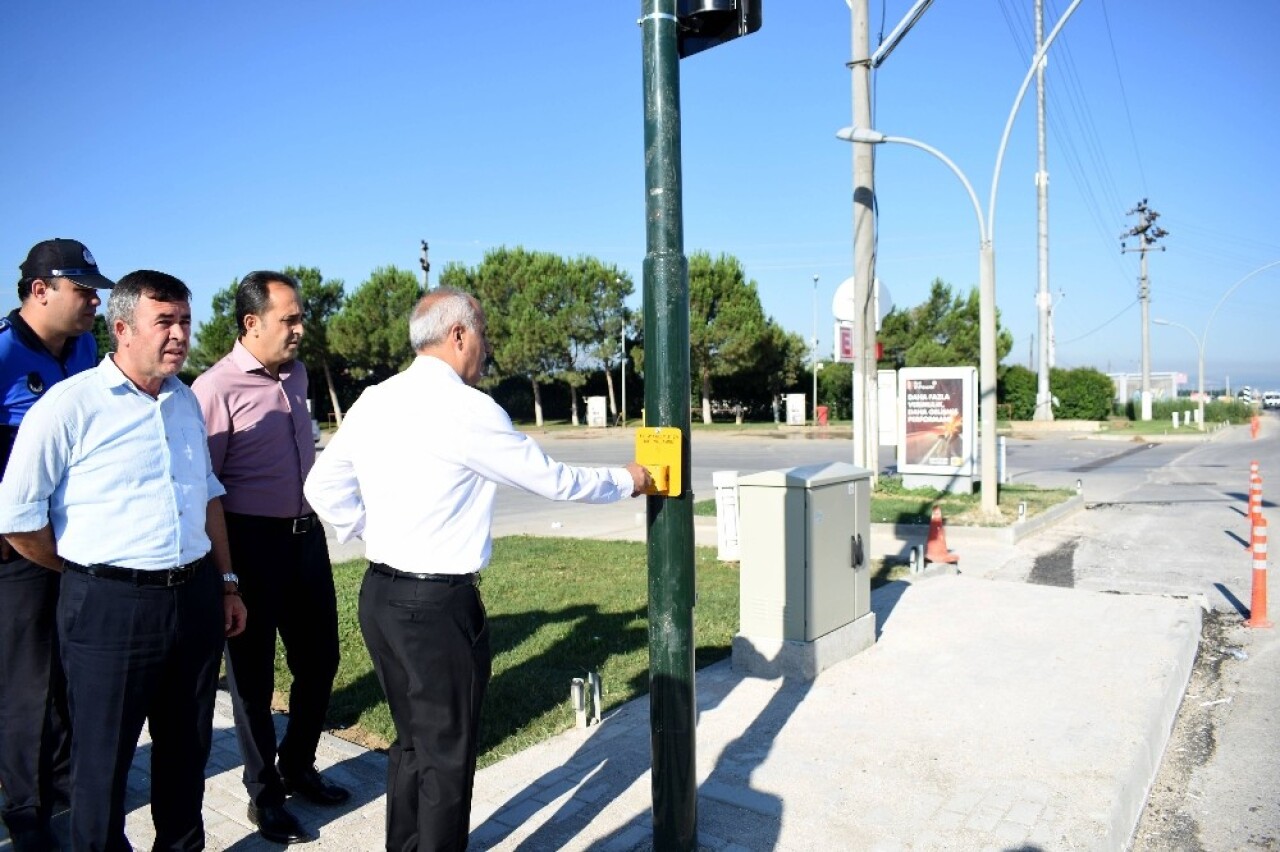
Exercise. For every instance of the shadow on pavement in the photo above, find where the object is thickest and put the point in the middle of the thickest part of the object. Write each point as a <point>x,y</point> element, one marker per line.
<point>364,775</point>
<point>1233,600</point>
<point>884,599</point>
<point>606,765</point>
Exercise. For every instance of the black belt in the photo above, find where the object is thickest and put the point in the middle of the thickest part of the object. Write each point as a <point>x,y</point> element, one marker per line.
<point>296,526</point>
<point>450,579</point>
<point>305,524</point>
<point>162,577</point>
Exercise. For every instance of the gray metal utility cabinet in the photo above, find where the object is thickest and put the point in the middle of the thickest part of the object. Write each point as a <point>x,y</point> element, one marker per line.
<point>805,574</point>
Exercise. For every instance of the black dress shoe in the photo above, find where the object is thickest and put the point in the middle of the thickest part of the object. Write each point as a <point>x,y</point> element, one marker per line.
<point>309,785</point>
<point>277,824</point>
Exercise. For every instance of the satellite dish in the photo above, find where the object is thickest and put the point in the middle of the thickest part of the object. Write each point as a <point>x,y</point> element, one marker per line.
<point>842,304</point>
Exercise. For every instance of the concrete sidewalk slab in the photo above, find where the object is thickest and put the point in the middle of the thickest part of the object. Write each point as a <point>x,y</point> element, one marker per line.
<point>990,715</point>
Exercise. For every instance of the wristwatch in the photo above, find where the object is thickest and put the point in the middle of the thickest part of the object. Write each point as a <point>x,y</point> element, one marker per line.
<point>230,577</point>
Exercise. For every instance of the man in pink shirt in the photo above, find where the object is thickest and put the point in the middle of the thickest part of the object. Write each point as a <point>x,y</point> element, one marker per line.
<point>255,410</point>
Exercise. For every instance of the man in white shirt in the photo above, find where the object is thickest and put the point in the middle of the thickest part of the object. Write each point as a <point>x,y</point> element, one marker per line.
<point>413,472</point>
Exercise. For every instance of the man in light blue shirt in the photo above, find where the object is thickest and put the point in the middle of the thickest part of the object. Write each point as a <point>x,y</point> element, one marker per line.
<point>110,483</point>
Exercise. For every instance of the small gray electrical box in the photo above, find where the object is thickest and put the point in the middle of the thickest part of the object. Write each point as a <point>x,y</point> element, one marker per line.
<point>804,536</point>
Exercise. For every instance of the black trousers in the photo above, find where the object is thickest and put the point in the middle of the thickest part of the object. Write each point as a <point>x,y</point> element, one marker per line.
<point>287,585</point>
<point>35,743</point>
<point>135,653</point>
<point>429,643</point>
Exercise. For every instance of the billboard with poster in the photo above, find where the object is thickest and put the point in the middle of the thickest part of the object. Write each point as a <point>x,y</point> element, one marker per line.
<point>937,417</point>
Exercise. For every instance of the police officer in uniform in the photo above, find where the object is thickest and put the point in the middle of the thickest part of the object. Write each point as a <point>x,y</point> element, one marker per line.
<point>44,341</point>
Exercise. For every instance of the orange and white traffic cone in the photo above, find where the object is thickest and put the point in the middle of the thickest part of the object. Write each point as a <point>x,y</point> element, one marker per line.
<point>936,547</point>
<point>1255,423</point>
<point>1258,601</point>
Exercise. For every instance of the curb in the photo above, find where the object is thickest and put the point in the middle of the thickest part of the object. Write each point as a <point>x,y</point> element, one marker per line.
<point>1126,811</point>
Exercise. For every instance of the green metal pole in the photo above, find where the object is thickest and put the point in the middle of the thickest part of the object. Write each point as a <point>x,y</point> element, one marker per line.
<point>666,397</point>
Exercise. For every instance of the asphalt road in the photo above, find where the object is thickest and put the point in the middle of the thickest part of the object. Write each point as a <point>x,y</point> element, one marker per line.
<point>1105,468</point>
<point>1169,519</point>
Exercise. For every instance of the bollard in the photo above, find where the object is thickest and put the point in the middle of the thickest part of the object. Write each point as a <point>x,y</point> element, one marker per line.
<point>1175,421</point>
<point>578,697</point>
<point>593,686</point>
<point>1258,600</point>
<point>725,483</point>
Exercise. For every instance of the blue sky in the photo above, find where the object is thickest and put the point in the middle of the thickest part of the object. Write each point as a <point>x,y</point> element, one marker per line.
<point>208,139</point>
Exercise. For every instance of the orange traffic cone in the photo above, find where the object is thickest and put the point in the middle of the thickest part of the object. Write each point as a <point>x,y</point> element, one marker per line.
<point>936,547</point>
<point>1258,602</point>
<point>1255,423</point>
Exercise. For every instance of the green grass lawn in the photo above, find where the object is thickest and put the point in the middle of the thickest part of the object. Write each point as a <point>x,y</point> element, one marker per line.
<point>893,504</point>
<point>557,609</point>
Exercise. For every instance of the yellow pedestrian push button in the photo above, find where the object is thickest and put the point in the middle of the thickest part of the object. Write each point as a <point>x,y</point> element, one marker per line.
<point>658,451</point>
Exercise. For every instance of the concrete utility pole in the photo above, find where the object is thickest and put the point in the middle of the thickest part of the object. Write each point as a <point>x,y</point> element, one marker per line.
<point>1044,300</point>
<point>865,439</point>
<point>426,267</point>
<point>1147,233</point>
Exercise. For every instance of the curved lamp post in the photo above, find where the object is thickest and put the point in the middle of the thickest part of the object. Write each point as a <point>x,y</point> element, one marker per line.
<point>1204,338</point>
<point>1200,362</point>
<point>986,269</point>
<point>814,354</point>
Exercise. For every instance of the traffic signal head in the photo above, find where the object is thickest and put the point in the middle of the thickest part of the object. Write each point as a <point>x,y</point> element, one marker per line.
<point>707,23</point>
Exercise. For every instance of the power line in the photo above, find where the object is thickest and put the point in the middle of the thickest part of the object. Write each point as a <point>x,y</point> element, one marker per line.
<point>1099,328</point>
<point>1124,98</point>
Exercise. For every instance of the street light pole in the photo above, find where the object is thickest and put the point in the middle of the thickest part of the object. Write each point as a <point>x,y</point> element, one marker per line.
<point>814,354</point>
<point>672,698</point>
<point>1199,363</point>
<point>1230,290</point>
<point>622,334</point>
<point>987,273</point>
